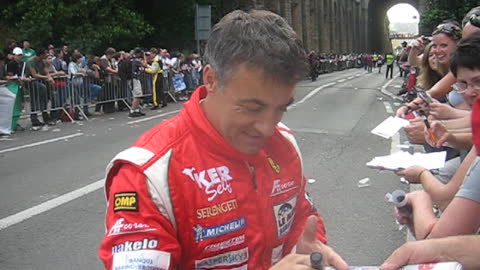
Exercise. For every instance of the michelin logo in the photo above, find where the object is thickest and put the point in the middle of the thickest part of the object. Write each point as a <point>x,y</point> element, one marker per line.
<point>202,233</point>
<point>225,259</point>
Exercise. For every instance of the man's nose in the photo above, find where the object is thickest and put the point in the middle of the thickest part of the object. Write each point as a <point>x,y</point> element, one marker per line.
<point>266,127</point>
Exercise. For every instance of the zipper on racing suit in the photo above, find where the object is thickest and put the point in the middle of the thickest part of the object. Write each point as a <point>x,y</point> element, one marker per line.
<point>251,169</point>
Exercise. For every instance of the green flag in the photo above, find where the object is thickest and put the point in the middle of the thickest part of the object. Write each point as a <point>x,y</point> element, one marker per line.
<point>8,94</point>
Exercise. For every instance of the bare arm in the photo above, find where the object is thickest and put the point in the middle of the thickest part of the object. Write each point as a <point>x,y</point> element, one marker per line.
<point>440,193</point>
<point>462,216</point>
<point>463,249</point>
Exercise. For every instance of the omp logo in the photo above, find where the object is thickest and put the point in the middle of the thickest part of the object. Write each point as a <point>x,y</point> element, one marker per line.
<point>284,214</point>
<point>225,259</point>
<point>202,233</point>
<point>274,165</point>
<point>125,201</point>
<point>280,188</point>
<point>214,181</point>
<point>123,228</point>
<point>135,245</point>
<point>218,209</point>
<point>226,244</point>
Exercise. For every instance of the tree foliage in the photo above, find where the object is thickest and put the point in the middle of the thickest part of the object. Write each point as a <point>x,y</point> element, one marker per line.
<point>440,10</point>
<point>89,25</point>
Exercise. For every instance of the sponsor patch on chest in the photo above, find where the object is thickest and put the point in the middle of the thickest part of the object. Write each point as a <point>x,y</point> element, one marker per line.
<point>214,181</point>
<point>225,259</point>
<point>202,233</point>
<point>217,209</point>
<point>281,187</point>
<point>284,214</point>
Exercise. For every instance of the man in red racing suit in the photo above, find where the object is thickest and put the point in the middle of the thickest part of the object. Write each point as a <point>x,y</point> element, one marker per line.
<point>190,195</point>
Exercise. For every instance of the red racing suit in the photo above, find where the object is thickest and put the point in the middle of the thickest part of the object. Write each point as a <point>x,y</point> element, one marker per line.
<point>183,198</point>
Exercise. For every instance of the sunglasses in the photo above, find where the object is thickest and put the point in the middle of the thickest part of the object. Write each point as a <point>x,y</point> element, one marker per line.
<point>474,20</point>
<point>448,28</point>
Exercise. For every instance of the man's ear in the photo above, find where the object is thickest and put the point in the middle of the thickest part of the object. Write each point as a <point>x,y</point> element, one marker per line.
<point>209,79</point>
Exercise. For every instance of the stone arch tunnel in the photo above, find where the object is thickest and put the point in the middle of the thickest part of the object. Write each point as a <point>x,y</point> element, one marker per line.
<point>338,26</point>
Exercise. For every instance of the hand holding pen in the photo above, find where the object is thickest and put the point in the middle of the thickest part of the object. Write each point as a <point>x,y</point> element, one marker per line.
<point>429,131</point>
<point>437,134</point>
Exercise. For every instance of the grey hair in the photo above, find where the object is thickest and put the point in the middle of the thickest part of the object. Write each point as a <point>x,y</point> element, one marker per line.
<point>261,39</point>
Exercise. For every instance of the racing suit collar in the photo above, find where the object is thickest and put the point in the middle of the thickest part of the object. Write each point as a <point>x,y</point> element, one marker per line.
<point>204,129</point>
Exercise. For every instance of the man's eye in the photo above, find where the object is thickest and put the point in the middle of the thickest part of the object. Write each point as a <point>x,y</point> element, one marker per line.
<point>253,109</point>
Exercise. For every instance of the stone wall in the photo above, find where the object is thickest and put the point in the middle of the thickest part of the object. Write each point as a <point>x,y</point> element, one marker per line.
<point>338,26</point>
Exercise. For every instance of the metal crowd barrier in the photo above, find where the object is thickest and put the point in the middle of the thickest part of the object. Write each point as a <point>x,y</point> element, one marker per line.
<point>78,93</point>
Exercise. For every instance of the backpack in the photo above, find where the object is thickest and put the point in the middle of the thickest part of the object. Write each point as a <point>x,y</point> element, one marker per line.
<point>125,70</point>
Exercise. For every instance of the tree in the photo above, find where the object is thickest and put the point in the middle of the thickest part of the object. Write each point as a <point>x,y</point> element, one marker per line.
<point>440,10</point>
<point>89,25</point>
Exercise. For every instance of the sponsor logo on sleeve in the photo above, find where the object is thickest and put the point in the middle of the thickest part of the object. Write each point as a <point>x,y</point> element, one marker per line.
<point>277,254</point>
<point>274,165</point>
<point>120,227</point>
<point>280,188</point>
<point>226,244</point>
<point>125,201</point>
<point>202,233</point>
<point>225,259</point>
<point>284,214</point>
<point>214,181</point>
<point>217,209</point>
<point>135,245</point>
<point>141,259</point>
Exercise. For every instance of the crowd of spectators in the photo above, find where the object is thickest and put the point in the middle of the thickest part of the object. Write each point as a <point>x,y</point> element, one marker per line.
<point>62,84</point>
<point>446,118</point>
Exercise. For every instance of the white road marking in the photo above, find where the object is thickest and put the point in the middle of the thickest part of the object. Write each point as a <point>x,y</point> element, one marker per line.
<point>48,205</point>
<point>152,117</point>
<point>311,94</point>
<point>384,87</point>
<point>388,107</point>
<point>351,77</point>
<point>342,80</point>
<point>40,143</point>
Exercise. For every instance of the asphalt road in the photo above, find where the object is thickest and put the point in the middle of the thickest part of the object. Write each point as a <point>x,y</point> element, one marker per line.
<point>332,120</point>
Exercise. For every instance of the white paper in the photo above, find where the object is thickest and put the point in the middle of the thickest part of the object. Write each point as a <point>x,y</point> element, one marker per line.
<point>402,160</point>
<point>389,127</point>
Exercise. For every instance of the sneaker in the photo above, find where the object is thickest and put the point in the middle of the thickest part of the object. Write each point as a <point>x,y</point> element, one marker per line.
<point>5,136</point>
<point>164,105</point>
<point>155,108</point>
<point>37,123</point>
<point>134,114</point>
<point>141,113</point>
<point>52,123</point>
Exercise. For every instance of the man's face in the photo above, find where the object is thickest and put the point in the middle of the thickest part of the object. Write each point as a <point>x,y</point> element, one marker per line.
<point>18,58</point>
<point>469,29</point>
<point>248,108</point>
<point>26,45</point>
<point>443,47</point>
<point>471,78</point>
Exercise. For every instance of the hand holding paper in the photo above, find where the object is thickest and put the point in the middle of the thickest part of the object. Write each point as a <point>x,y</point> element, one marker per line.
<point>401,160</point>
<point>389,127</point>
